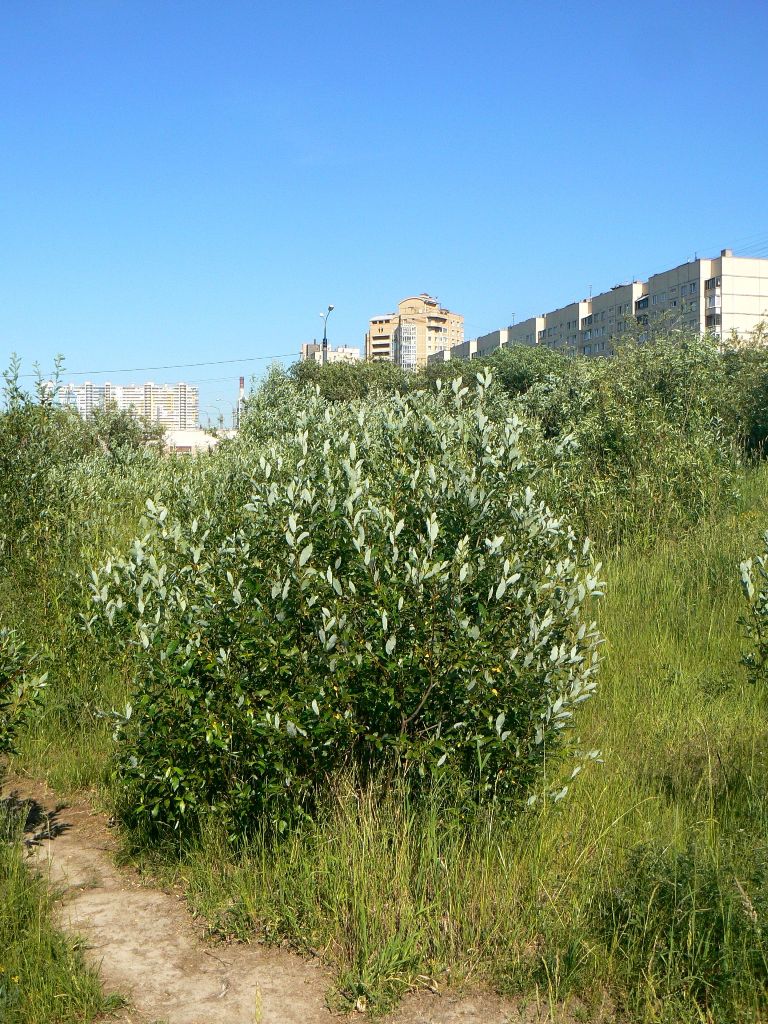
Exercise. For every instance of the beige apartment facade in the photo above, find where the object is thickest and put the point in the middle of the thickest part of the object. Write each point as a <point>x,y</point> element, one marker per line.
<point>725,296</point>
<point>526,332</point>
<point>466,350</point>
<point>608,316</point>
<point>420,328</point>
<point>487,343</point>
<point>560,330</point>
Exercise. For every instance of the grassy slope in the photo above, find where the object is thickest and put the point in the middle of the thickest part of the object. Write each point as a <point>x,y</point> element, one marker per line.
<point>644,882</point>
<point>639,882</point>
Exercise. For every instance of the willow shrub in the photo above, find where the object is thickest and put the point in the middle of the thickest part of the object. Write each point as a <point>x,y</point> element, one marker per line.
<point>20,688</point>
<point>393,595</point>
<point>638,444</point>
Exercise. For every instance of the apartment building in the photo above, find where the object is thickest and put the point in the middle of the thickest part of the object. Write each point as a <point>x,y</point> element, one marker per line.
<point>723,296</point>
<point>527,332</point>
<point>341,354</point>
<point>561,327</point>
<point>169,405</point>
<point>420,328</point>
<point>607,317</point>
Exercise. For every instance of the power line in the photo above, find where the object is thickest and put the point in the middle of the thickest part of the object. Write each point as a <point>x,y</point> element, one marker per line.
<point>739,245</point>
<point>170,366</point>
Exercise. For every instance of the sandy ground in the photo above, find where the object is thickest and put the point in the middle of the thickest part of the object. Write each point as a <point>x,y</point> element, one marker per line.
<point>149,949</point>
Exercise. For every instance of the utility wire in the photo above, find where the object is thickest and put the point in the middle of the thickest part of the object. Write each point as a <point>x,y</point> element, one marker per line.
<point>170,366</point>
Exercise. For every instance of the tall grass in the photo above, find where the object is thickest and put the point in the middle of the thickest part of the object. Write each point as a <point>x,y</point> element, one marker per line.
<point>647,882</point>
<point>43,978</point>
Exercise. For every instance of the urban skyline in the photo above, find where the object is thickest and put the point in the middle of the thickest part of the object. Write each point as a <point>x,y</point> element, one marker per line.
<point>167,405</point>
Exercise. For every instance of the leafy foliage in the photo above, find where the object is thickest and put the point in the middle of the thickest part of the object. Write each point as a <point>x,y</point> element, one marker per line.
<point>637,443</point>
<point>41,444</point>
<point>20,690</point>
<point>644,441</point>
<point>393,593</point>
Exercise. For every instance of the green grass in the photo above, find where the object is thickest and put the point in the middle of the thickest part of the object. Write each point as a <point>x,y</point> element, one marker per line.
<point>646,882</point>
<point>43,978</point>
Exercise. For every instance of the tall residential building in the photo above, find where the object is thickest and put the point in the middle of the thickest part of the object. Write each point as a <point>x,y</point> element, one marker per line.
<point>420,328</point>
<point>169,405</point>
<point>342,354</point>
<point>724,295</point>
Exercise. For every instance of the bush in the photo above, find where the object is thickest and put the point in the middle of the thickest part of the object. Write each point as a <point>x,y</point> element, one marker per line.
<point>19,690</point>
<point>636,443</point>
<point>392,595</point>
<point>644,442</point>
<point>345,382</point>
<point>746,366</point>
<point>41,446</point>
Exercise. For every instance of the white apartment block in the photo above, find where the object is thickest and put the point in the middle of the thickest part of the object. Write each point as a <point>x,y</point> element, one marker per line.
<point>722,296</point>
<point>342,354</point>
<point>169,405</point>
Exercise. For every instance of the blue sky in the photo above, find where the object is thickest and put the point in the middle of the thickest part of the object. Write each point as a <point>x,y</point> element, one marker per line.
<point>184,181</point>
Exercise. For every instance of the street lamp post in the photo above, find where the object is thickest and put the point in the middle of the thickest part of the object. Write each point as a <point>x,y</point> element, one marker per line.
<point>324,357</point>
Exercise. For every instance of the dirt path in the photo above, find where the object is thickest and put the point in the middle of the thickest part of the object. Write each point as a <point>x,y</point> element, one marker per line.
<point>148,948</point>
<point>145,943</point>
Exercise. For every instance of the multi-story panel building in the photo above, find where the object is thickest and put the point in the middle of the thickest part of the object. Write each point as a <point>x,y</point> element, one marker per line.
<point>341,354</point>
<point>726,296</point>
<point>526,332</point>
<point>609,315</point>
<point>466,350</point>
<point>561,327</point>
<point>489,342</point>
<point>170,405</point>
<point>420,328</point>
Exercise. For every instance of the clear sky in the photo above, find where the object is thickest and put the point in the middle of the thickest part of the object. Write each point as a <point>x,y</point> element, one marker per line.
<point>195,181</point>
